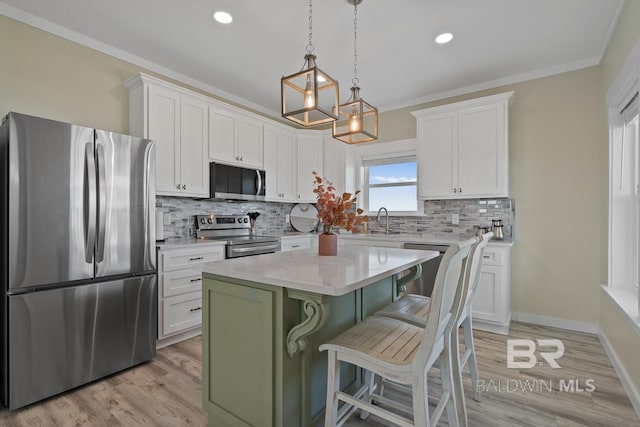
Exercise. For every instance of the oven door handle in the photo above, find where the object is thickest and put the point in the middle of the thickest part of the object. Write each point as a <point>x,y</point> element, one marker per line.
<point>254,248</point>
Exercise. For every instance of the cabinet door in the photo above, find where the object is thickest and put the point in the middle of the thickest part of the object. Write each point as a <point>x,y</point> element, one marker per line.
<point>334,162</point>
<point>279,155</point>
<point>222,136</point>
<point>486,304</point>
<point>239,335</point>
<point>249,142</point>
<point>194,167</point>
<point>271,163</point>
<point>286,166</point>
<point>309,160</point>
<point>437,156</point>
<point>482,151</point>
<point>164,129</point>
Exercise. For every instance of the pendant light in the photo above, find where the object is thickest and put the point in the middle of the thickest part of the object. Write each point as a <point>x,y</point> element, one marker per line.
<point>310,96</point>
<point>357,119</point>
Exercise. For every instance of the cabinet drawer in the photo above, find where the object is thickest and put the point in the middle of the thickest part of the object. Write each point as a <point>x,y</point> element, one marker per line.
<point>186,258</point>
<point>294,244</point>
<point>492,257</point>
<point>180,282</point>
<point>182,312</point>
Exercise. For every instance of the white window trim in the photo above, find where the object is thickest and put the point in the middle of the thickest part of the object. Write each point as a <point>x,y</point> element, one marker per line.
<point>390,156</point>
<point>626,296</point>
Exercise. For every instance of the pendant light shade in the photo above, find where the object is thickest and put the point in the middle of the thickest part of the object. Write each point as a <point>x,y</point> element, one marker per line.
<point>357,119</point>
<point>310,96</point>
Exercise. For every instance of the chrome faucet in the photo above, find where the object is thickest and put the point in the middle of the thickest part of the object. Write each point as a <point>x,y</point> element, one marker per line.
<point>387,230</point>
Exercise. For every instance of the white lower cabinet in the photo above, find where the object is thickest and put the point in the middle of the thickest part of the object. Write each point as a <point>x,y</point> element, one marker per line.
<point>180,290</point>
<point>292,243</point>
<point>491,310</point>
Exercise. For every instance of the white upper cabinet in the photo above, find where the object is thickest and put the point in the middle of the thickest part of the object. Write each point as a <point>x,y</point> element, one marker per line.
<point>334,162</point>
<point>279,164</point>
<point>235,138</point>
<point>177,122</point>
<point>310,150</point>
<point>463,149</point>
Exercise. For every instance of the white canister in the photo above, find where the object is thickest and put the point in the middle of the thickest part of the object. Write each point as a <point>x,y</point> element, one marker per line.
<point>159,224</point>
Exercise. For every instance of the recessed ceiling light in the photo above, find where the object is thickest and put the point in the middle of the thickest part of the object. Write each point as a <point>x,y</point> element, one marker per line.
<point>444,38</point>
<point>222,17</point>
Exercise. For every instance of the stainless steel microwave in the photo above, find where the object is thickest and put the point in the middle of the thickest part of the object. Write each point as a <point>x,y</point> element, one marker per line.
<point>236,183</point>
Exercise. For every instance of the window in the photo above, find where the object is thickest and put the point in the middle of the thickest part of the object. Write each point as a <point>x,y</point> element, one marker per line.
<point>624,203</point>
<point>391,183</point>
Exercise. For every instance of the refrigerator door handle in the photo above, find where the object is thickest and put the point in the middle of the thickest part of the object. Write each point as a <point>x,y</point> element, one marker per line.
<point>89,205</point>
<point>102,203</point>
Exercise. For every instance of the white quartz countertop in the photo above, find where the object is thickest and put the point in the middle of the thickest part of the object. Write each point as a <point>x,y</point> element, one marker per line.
<point>305,270</point>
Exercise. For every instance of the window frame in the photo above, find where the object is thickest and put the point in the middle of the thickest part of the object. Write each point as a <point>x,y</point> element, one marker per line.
<point>389,159</point>
<point>623,293</point>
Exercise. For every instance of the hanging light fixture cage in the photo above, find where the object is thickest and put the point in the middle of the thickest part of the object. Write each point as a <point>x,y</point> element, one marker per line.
<point>310,96</point>
<point>357,119</point>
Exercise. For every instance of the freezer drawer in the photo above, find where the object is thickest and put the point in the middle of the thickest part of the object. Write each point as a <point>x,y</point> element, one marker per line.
<point>66,337</point>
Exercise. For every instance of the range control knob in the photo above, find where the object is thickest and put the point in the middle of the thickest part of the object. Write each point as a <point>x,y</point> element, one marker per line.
<point>246,220</point>
<point>202,220</point>
<point>209,220</point>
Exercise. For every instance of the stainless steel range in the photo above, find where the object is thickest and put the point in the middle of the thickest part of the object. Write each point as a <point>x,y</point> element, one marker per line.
<point>236,231</point>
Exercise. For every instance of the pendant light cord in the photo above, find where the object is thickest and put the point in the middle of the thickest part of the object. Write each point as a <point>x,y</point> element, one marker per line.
<point>355,80</point>
<point>310,44</point>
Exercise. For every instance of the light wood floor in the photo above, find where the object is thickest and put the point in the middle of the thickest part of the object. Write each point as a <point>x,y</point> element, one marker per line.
<point>167,391</point>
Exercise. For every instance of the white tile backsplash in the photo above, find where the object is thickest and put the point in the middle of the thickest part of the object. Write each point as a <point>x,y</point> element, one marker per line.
<point>436,219</point>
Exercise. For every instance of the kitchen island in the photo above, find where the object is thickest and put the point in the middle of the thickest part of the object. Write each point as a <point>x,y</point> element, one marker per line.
<point>265,316</point>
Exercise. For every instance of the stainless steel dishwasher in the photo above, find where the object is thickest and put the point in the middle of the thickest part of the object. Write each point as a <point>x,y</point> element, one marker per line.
<point>423,285</point>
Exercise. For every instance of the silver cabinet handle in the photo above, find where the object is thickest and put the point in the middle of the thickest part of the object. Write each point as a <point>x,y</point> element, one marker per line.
<point>178,186</point>
<point>295,246</point>
<point>195,280</point>
<point>455,191</point>
<point>195,309</point>
<point>460,190</point>
<point>196,258</point>
<point>486,257</point>
<point>184,186</point>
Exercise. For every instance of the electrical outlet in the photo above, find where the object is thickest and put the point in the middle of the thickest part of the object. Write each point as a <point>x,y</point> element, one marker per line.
<point>287,218</point>
<point>167,218</point>
<point>455,219</point>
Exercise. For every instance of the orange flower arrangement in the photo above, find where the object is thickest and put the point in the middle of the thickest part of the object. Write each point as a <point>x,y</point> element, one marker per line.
<point>335,210</point>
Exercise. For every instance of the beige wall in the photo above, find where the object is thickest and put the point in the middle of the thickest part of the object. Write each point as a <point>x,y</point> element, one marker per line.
<point>622,41</point>
<point>624,340</point>
<point>48,76</point>
<point>558,179</point>
<point>51,77</point>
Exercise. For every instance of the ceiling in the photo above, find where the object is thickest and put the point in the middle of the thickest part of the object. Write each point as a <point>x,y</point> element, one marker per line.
<point>495,42</point>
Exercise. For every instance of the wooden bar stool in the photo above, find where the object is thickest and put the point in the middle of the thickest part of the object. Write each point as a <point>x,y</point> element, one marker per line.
<point>402,353</point>
<point>414,309</point>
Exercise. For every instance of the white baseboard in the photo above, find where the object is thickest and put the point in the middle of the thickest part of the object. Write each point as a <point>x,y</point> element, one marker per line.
<point>572,325</point>
<point>179,337</point>
<point>629,388</point>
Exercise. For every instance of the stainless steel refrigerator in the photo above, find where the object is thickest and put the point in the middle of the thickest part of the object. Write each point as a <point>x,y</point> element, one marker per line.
<point>77,261</point>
